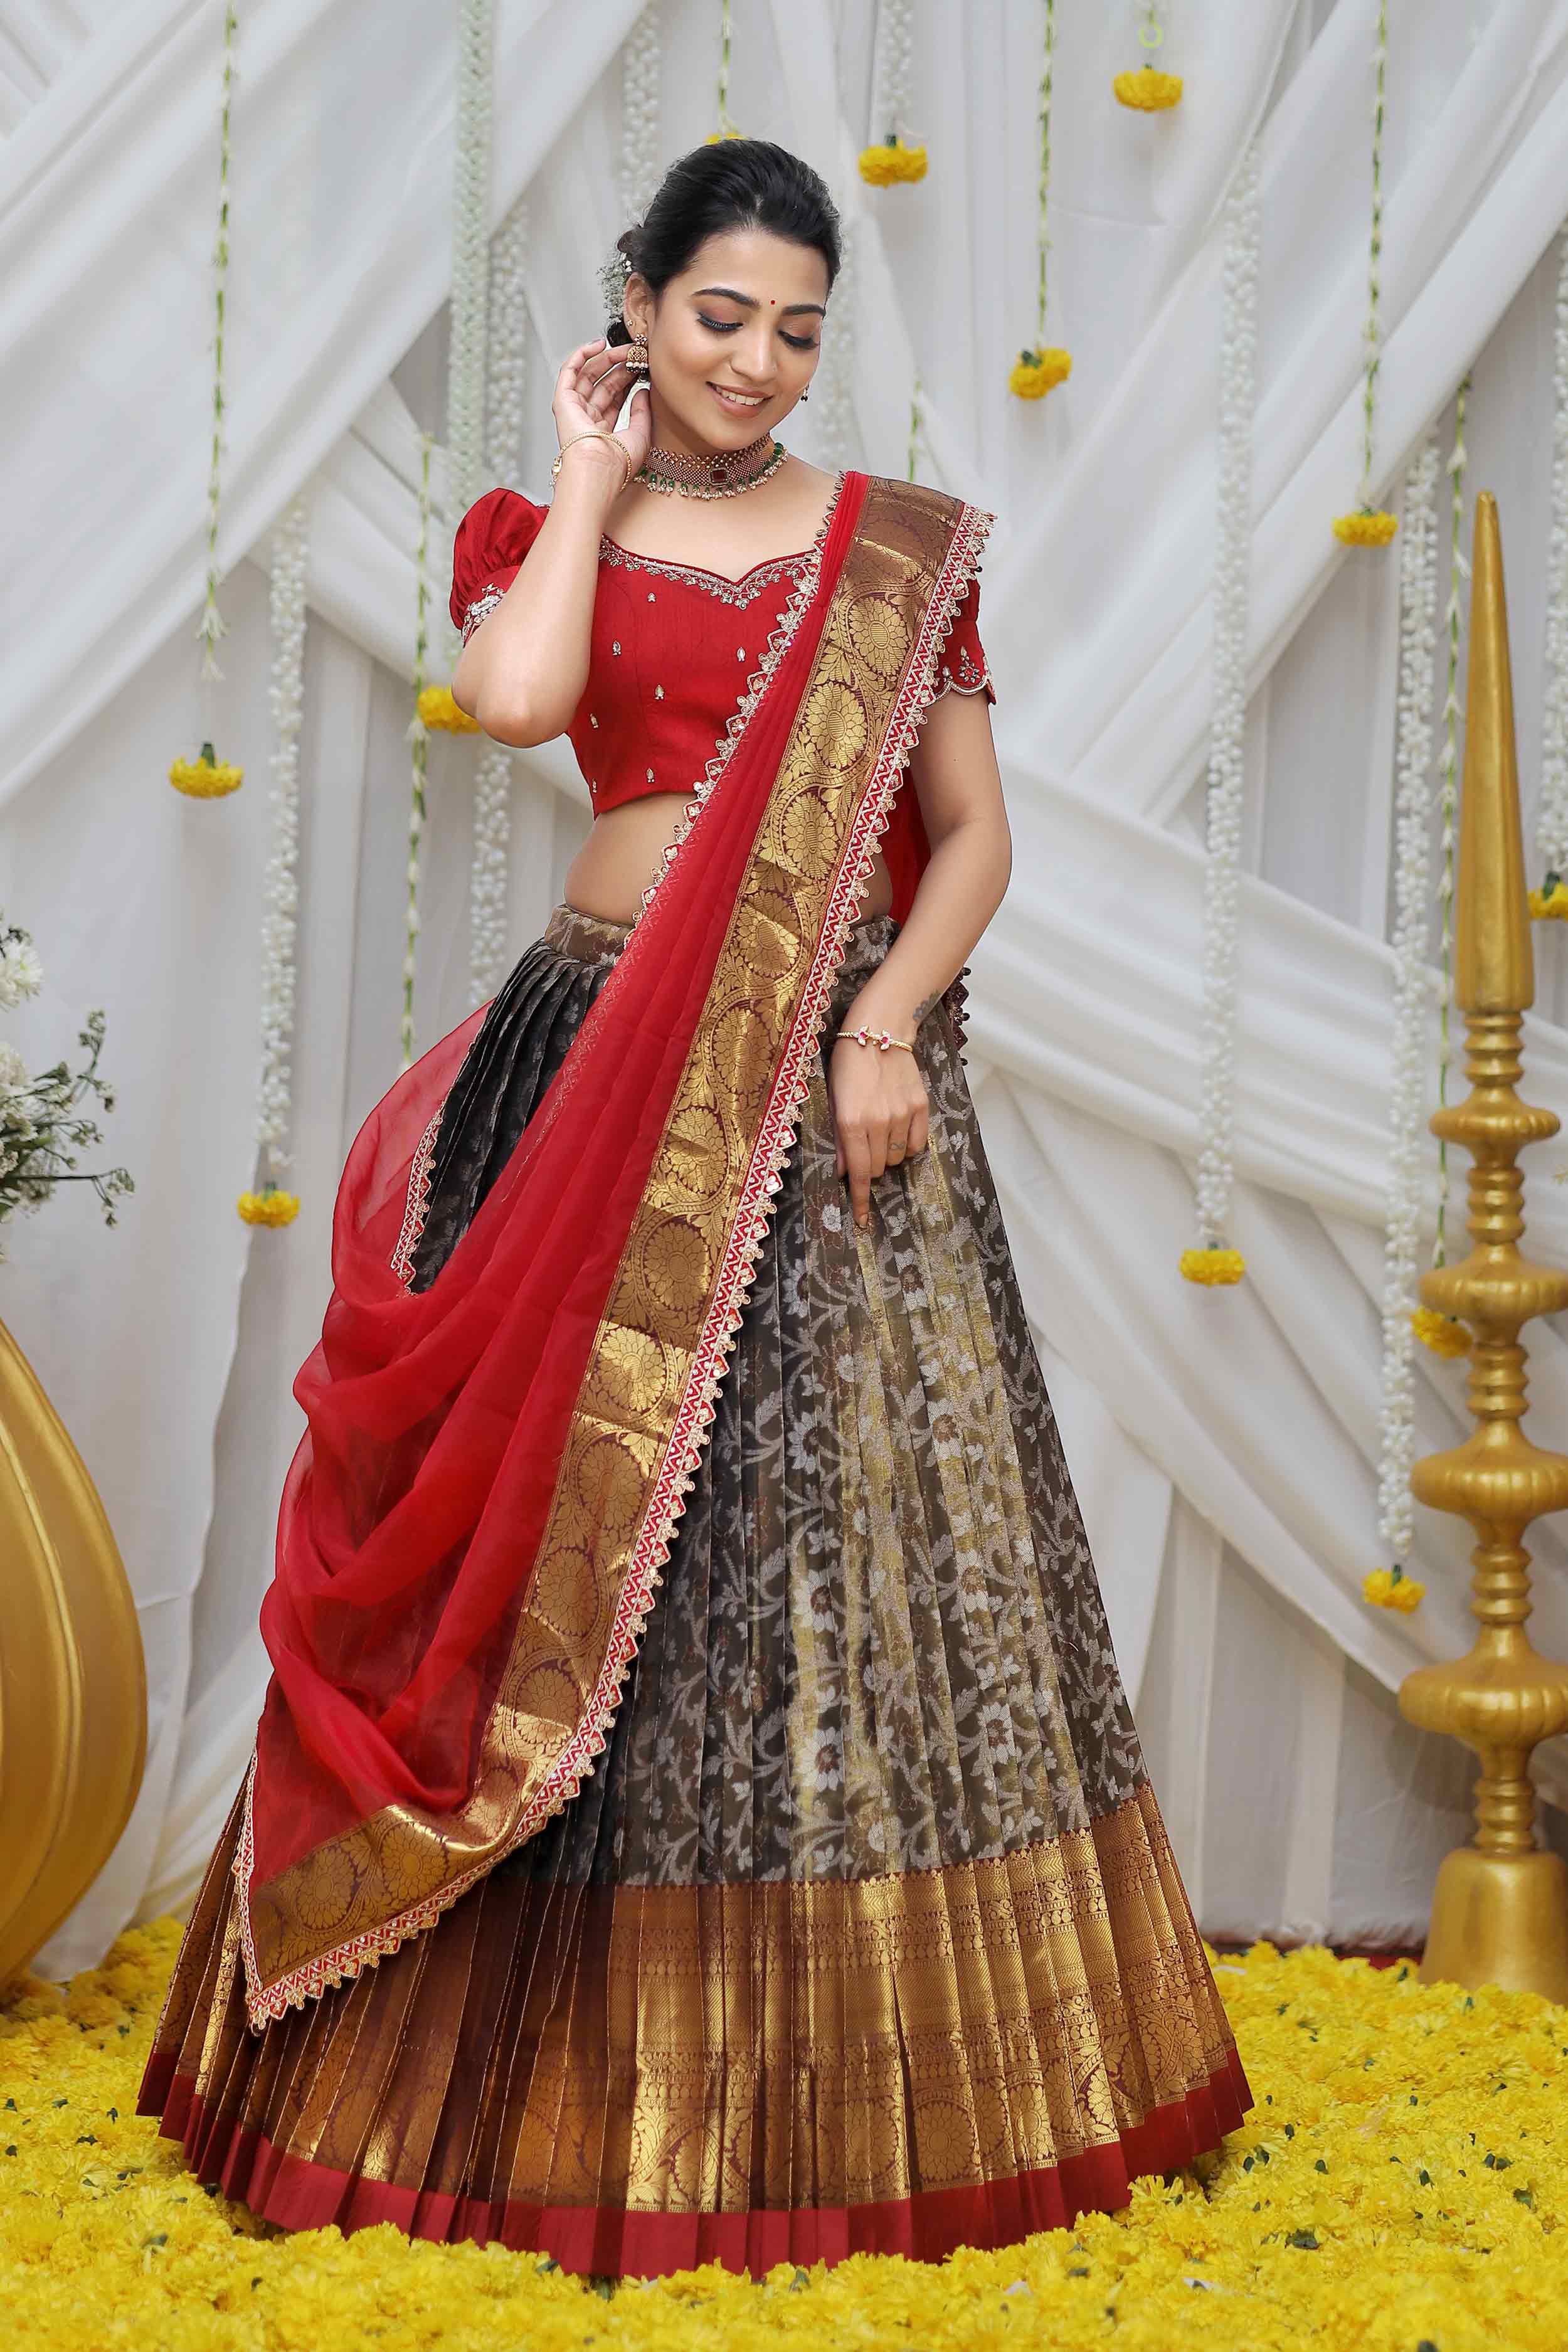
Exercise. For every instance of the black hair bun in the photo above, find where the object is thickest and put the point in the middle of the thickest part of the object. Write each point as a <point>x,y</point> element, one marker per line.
<point>617,331</point>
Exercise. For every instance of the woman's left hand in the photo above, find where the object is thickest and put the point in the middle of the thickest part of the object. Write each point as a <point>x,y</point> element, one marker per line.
<point>881,1115</point>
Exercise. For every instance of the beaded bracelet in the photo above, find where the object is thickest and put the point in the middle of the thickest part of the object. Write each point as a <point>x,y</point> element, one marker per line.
<point>877,1037</point>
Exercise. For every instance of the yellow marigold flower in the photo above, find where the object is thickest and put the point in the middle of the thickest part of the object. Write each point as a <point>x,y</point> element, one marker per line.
<point>437,709</point>
<point>1550,903</point>
<point>206,778</point>
<point>713,136</point>
<point>885,166</point>
<point>1390,1588</point>
<point>269,1207</point>
<point>1369,527</point>
<point>1034,373</point>
<point>1148,89</point>
<point>1444,1334</point>
<point>1213,1265</point>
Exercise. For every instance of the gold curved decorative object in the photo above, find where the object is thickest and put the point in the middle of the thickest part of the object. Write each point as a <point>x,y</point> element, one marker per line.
<point>1500,1912</point>
<point>73,1683</point>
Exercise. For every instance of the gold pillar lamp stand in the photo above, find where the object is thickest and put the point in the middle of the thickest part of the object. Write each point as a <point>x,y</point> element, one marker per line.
<point>1499,1912</point>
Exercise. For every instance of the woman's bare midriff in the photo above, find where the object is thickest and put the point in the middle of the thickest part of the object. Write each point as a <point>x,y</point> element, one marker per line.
<point>621,855</point>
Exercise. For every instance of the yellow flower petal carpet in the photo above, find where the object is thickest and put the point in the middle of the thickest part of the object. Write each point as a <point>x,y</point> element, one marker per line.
<point>1401,2187</point>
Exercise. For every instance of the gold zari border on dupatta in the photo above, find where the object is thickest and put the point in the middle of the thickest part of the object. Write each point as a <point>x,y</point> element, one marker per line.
<point>645,1405</point>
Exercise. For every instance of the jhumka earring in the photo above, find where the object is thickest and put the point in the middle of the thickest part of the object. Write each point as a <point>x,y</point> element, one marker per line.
<point>637,355</point>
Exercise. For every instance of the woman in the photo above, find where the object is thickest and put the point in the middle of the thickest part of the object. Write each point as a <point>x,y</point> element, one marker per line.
<point>691,1690</point>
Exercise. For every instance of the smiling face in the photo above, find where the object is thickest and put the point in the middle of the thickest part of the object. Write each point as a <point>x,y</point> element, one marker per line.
<point>733,342</point>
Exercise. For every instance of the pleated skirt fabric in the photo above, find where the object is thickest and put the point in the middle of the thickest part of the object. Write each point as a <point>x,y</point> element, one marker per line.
<point>865,1932</point>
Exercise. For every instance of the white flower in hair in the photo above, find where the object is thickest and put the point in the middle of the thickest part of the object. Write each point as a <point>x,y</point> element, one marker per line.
<point>613,279</point>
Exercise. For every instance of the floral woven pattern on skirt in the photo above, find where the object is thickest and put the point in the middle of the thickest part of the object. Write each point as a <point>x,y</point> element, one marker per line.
<point>865,1932</point>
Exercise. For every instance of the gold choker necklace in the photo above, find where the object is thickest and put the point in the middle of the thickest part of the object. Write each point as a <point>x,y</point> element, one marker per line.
<point>723,476</point>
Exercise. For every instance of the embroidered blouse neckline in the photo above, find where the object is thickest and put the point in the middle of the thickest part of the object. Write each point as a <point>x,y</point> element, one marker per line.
<point>611,552</point>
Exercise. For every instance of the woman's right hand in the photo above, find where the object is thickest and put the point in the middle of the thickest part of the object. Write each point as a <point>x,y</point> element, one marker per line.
<point>589,390</point>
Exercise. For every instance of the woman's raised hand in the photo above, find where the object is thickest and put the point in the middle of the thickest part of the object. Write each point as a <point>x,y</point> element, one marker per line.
<point>589,390</point>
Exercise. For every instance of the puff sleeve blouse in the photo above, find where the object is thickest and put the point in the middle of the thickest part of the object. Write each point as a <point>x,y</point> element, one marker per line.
<point>673,649</point>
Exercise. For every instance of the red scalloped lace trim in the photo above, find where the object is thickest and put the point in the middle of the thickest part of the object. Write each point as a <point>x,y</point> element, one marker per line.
<point>418,1204</point>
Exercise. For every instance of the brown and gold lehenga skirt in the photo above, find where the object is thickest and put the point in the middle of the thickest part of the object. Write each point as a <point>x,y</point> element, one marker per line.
<point>864,1932</point>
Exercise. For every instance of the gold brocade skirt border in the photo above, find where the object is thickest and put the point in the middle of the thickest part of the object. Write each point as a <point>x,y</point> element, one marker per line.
<point>639,2077</point>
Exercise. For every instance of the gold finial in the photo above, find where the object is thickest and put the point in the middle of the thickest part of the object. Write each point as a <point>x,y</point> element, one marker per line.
<point>1499,1912</point>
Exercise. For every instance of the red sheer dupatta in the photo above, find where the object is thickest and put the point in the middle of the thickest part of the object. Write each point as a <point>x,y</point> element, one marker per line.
<point>471,1530</point>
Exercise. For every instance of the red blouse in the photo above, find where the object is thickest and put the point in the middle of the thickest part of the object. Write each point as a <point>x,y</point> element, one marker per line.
<point>674,648</point>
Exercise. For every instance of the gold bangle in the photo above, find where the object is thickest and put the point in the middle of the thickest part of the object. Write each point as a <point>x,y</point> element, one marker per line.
<point>594,433</point>
<point>877,1037</point>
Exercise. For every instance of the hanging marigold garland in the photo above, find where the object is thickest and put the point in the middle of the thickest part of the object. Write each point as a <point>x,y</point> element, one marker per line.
<point>1040,366</point>
<point>898,160</point>
<point>1391,1586</point>
<point>207,777</point>
<point>1370,526</point>
<point>1214,1262</point>
<point>271,1205</point>
<point>1550,900</point>
<point>1145,88</point>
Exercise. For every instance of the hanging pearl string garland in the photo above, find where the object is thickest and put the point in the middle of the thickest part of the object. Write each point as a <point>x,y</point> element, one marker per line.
<point>468,314</point>
<point>418,739</point>
<point>1551,823</point>
<point>1147,89</point>
<point>833,382</point>
<point>641,77</point>
<point>489,875</point>
<point>1041,366</point>
<point>1391,1586</point>
<point>207,777</point>
<point>1445,1334</point>
<point>290,547</point>
<point>896,158</point>
<point>1371,526</point>
<point>1214,1262</point>
<point>728,128</point>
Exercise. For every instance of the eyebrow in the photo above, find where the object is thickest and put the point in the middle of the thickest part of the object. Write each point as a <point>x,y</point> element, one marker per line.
<point>751,302</point>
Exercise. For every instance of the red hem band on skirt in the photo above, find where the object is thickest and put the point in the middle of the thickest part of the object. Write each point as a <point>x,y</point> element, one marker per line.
<point>611,2241</point>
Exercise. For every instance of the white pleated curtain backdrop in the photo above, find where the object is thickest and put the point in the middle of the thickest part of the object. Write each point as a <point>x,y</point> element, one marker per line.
<point>1224,1444</point>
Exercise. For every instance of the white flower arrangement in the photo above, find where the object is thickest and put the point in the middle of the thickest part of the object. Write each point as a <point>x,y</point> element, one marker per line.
<point>41,1130</point>
<point>1226,772</point>
<point>1412,991</point>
